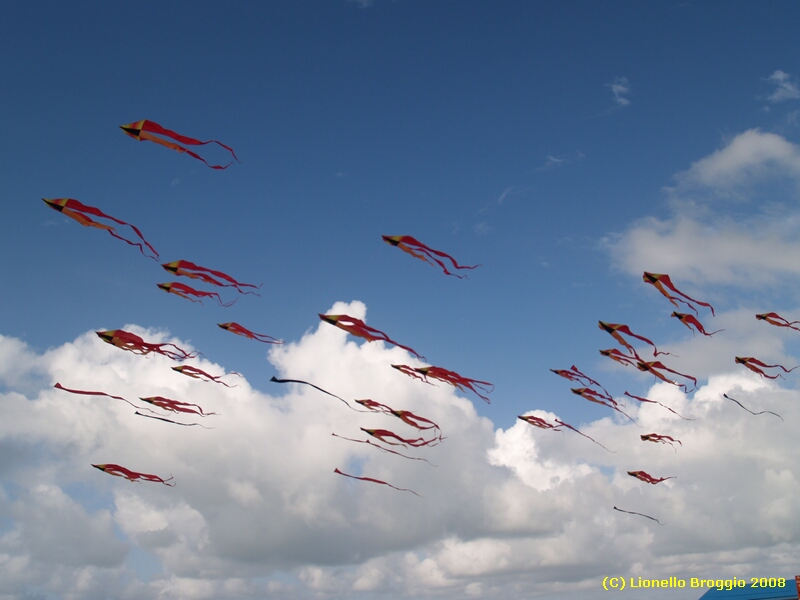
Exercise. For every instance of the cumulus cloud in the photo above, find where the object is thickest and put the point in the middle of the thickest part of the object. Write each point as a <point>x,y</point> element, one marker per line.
<point>257,508</point>
<point>786,87</point>
<point>620,88</point>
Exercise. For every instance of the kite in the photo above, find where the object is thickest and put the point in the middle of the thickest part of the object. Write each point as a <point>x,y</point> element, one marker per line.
<point>621,357</point>
<point>358,328</point>
<point>379,447</point>
<point>119,471</point>
<point>184,291</point>
<point>750,411</point>
<point>185,268</point>
<point>276,380</point>
<point>408,417</point>
<point>691,322</point>
<point>144,130</point>
<point>640,514</point>
<point>647,478</point>
<point>599,398</point>
<point>573,374</point>
<point>133,343</point>
<point>450,377</point>
<point>542,424</point>
<point>641,399</point>
<point>239,330</point>
<point>652,367</point>
<point>376,481</point>
<point>196,373</point>
<point>616,329</point>
<point>775,319</point>
<point>660,281</point>
<point>79,211</point>
<point>173,422</point>
<point>753,364</point>
<point>417,249</point>
<point>416,443</point>
<point>58,386</point>
<point>656,438</point>
<point>176,406</point>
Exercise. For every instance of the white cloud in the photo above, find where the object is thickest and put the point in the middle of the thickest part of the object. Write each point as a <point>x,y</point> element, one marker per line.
<point>257,508</point>
<point>786,87</point>
<point>620,88</point>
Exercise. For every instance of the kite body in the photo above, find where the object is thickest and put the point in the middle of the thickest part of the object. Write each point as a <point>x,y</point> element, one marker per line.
<point>176,406</point>
<point>80,212</point>
<point>150,130</point>
<point>661,282</point>
<point>196,373</point>
<point>417,249</point>
<point>371,480</point>
<point>244,332</point>
<point>777,320</point>
<point>119,471</point>
<point>451,377</point>
<point>358,328</point>
<point>655,368</point>
<point>662,439</point>
<point>184,291</point>
<point>133,343</point>
<point>617,329</point>
<point>756,366</point>
<point>693,324</point>
<point>647,478</point>
<point>185,268</point>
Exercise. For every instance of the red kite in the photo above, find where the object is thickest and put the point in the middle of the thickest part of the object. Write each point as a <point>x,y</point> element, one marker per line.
<point>185,268</point>
<point>239,330</point>
<point>642,476</point>
<point>379,447</point>
<point>408,417</point>
<point>573,374</point>
<point>660,281</point>
<point>276,380</point>
<point>599,398</point>
<point>79,211</point>
<point>543,424</point>
<point>641,399</point>
<point>370,479</point>
<point>196,373</point>
<point>450,377</point>
<point>775,319</point>
<point>639,514</point>
<point>176,406</point>
<point>653,367</point>
<point>620,357</point>
<point>663,439</point>
<point>616,329</point>
<point>380,434</point>
<point>144,130</point>
<point>750,411</point>
<point>358,328</point>
<point>184,291</point>
<point>753,364</point>
<point>417,249</point>
<point>118,471</point>
<point>133,343</point>
<point>691,322</point>
<point>58,386</point>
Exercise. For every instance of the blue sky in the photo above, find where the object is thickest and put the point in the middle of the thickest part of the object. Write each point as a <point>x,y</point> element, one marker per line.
<point>565,146</point>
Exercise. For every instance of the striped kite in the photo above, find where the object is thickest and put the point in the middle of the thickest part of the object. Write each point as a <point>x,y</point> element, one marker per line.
<point>654,367</point>
<point>661,281</point>
<point>656,438</point>
<point>78,211</point>
<point>417,249</point>
<point>753,364</point>
<point>691,322</point>
<point>358,328</point>
<point>189,269</point>
<point>196,373</point>
<point>119,471</point>
<point>133,343</point>
<point>184,291</point>
<point>451,377</point>
<point>176,406</point>
<point>145,130</point>
<point>406,416</point>
<point>647,478</point>
<point>243,331</point>
<point>616,330</point>
<point>775,319</point>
